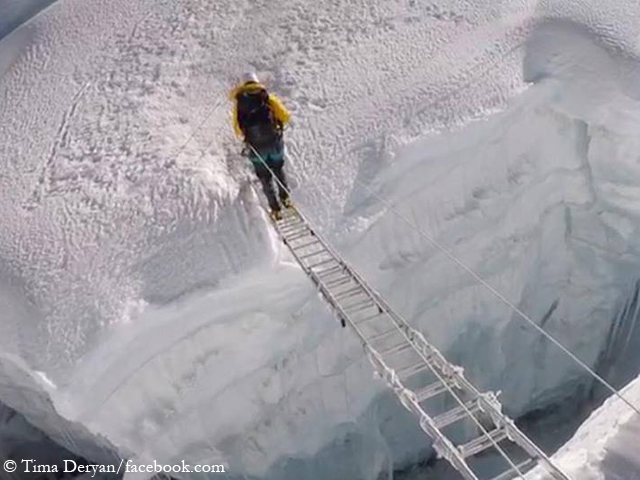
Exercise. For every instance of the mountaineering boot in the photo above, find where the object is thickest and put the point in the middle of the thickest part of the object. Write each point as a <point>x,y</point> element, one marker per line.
<point>276,215</point>
<point>287,203</point>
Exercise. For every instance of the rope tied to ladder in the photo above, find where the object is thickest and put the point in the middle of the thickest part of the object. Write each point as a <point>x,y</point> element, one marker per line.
<point>410,401</point>
<point>484,283</point>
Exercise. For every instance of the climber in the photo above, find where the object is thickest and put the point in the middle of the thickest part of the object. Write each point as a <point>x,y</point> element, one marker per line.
<point>259,119</point>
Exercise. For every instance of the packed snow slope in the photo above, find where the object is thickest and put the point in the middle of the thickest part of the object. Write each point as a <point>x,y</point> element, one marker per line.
<point>145,303</point>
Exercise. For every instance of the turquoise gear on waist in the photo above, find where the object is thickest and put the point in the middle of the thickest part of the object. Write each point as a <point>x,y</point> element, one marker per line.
<point>273,156</point>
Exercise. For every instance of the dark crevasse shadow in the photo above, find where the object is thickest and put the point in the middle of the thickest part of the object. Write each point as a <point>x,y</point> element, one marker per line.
<point>563,50</point>
<point>13,40</point>
<point>14,13</point>
<point>21,440</point>
<point>619,363</point>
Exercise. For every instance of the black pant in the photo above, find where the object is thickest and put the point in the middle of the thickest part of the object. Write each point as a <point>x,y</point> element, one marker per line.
<point>266,179</point>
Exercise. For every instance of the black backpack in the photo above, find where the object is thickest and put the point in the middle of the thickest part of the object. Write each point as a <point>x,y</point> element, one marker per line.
<point>256,119</point>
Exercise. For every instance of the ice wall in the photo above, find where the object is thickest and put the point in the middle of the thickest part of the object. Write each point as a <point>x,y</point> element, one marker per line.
<point>140,279</point>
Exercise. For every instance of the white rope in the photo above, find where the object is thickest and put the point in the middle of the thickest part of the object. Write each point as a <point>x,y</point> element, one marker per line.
<point>485,284</point>
<point>497,294</point>
<point>456,397</point>
<point>176,154</point>
<point>466,409</point>
<point>481,281</point>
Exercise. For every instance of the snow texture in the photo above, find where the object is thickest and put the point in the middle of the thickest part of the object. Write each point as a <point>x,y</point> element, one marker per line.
<point>606,445</point>
<point>147,307</point>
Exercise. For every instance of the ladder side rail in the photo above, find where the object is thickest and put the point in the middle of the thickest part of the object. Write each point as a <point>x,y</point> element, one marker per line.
<point>320,284</point>
<point>358,280</point>
<point>326,293</point>
<point>449,451</point>
<point>488,402</point>
<point>335,304</point>
<point>516,435</point>
<point>490,405</point>
<point>443,446</point>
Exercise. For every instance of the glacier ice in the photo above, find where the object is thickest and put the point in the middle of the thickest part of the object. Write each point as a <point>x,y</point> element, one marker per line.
<point>605,446</point>
<point>148,310</point>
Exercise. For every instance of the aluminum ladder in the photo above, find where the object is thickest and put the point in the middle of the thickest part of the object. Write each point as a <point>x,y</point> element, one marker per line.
<point>434,390</point>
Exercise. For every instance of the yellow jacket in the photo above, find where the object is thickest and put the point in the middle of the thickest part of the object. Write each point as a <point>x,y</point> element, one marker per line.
<point>280,113</point>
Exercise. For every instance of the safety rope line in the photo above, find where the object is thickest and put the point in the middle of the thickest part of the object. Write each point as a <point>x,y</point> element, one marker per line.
<point>498,295</point>
<point>174,157</point>
<point>457,398</point>
<point>476,276</point>
<point>470,415</point>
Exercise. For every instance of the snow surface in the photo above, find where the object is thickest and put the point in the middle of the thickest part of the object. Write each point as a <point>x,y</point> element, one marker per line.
<point>606,445</point>
<point>148,308</point>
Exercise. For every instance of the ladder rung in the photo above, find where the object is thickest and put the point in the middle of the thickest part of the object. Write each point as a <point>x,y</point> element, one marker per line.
<point>298,236</point>
<point>412,369</point>
<point>292,217</point>
<point>292,223</point>
<point>367,299</point>
<point>455,414</point>
<point>313,254</point>
<point>382,335</point>
<point>479,444</point>
<point>291,232</point>
<point>344,298</point>
<point>328,272</point>
<point>348,292</point>
<point>338,282</point>
<point>430,391</point>
<point>364,307</point>
<point>396,348</point>
<point>295,235</point>
<point>305,245</point>
<point>323,262</point>
<point>369,318</point>
<point>355,307</point>
<point>523,467</point>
